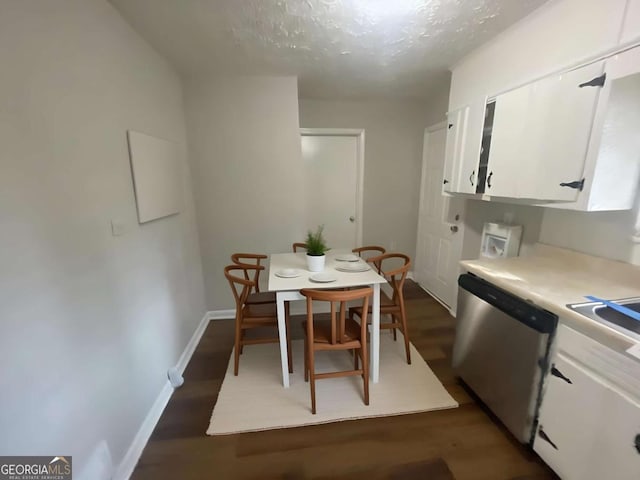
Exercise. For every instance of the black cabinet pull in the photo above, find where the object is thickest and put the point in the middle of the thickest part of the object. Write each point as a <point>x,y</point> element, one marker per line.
<point>546,438</point>
<point>445,181</point>
<point>596,82</point>
<point>450,125</point>
<point>489,179</point>
<point>557,373</point>
<point>637,443</point>
<point>471,177</point>
<point>577,184</point>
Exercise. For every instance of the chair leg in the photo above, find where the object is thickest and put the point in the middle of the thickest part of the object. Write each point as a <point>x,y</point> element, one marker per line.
<point>288,328</point>
<point>312,375</point>
<point>306,360</point>
<point>237,347</point>
<point>365,372</point>
<point>405,333</point>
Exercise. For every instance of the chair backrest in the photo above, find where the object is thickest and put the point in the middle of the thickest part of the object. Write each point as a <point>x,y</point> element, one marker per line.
<point>395,275</point>
<point>339,298</point>
<point>369,251</point>
<point>299,246</point>
<point>240,286</point>
<point>250,259</point>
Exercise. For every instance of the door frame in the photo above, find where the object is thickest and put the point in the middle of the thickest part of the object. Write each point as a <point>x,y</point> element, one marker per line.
<point>460,243</point>
<point>358,133</point>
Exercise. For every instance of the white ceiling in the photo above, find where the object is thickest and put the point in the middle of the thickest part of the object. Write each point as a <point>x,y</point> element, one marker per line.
<point>337,48</point>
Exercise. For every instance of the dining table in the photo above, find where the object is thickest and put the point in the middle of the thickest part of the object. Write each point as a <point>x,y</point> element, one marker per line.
<point>288,274</point>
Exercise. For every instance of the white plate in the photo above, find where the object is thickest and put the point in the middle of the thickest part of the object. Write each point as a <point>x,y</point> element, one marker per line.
<point>353,267</point>
<point>323,277</point>
<point>288,273</point>
<point>347,257</point>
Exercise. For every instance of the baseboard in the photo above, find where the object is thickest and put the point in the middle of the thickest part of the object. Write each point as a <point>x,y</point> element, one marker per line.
<point>410,275</point>
<point>130,460</point>
<point>451,311</point>
<point>183,361</point>
<point>221,314</point>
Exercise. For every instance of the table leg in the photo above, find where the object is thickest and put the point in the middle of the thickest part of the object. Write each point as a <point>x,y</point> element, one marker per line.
<point>375,334</point>
<point>282,334</point>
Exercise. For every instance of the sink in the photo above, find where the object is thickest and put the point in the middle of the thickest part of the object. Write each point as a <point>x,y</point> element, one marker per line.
<point>610,317</point>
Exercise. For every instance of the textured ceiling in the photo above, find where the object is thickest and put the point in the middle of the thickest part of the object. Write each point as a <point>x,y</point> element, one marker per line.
<point>337,48</point>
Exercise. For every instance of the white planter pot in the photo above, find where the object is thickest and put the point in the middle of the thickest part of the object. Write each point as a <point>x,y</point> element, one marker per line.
<point>315,263</point>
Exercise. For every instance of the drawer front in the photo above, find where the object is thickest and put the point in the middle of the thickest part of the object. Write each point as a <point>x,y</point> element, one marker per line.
<point>620,371</point>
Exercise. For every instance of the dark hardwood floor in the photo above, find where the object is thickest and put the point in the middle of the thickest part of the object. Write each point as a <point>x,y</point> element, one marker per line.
<point>461,443</point>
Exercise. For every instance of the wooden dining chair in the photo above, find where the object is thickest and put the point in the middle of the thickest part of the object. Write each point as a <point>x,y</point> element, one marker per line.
<point>394,306</point>
<point>299,246</point>
<point>336,333</point>
<point>249,316</point>
<point>370,251</point>
<point>254,259</point>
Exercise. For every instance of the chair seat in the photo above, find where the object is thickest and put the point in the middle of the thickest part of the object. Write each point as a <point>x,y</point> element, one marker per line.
<point>386,306</point>
<point>261,297</point>
<point>322,331</point>
<point>252,312</point>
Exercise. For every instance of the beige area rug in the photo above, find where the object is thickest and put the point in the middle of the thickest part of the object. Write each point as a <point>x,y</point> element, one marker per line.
<point>256,400</point>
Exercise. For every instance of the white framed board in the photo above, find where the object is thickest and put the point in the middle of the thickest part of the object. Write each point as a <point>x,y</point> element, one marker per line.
<point>157,176</point>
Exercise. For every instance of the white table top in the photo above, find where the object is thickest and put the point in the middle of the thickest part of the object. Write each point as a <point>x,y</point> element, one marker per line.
<point>279,261</point>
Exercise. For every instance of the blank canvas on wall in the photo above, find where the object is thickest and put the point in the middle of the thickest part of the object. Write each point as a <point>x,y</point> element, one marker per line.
<point>157,176</point>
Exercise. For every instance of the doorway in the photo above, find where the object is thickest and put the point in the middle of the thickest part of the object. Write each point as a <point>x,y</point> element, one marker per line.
<point>334,180</point>
<point>440,226</point>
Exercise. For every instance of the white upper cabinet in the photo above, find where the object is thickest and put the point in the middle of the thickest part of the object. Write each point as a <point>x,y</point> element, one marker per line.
<point>453,149</point>
<point>612,168</point>
<point>464,134</point>
<point>631,27</point>
<point>540,136</point>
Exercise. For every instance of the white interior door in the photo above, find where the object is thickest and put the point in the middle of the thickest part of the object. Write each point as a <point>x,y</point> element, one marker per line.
<point>439,243</point>
<point>332,187</point>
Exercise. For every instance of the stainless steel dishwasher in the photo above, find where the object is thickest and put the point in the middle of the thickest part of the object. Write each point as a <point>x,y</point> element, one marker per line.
<point>501,351</point>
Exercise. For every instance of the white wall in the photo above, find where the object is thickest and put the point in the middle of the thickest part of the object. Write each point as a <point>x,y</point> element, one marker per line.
<point>90,322</point>
<point>245,151</point>
<point>559,34</point>
<point>394,133</point>
<point>477,212</point>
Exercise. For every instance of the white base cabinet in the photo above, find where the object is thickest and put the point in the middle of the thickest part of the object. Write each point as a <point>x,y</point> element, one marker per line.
<point>589,429</point>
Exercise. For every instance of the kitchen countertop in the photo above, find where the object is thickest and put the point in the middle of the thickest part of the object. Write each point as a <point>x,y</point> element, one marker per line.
<point>553,277</point>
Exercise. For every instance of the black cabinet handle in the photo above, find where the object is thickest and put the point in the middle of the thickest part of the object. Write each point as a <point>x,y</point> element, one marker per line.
<point>445,181</point>
<point>637,443</point>
<point>596,82</point>
<point>577,184</point>
<point>546,438</point>
<point>450,125</point>
<point>489,179</point>
<point>557,373</point>
<point>471,177</point>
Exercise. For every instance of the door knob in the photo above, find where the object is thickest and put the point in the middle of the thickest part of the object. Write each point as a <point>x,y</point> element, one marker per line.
<point>352,219</point>
<point>453,228</point>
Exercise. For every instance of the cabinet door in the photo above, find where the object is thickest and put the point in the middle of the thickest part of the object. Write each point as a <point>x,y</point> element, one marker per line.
<point>631,28</point>
<point>507,137</point>
<point>617,449</point>
<point>569,420</point>
<point>453,146</point>
<point>540,136</point>
<point>467,172</point>
<point>558,127</point>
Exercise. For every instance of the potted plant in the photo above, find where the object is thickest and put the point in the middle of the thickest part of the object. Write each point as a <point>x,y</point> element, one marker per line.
<point>316,248</point>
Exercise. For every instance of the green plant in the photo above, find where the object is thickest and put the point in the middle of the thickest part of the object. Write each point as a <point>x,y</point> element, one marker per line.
<point>316,244</point>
